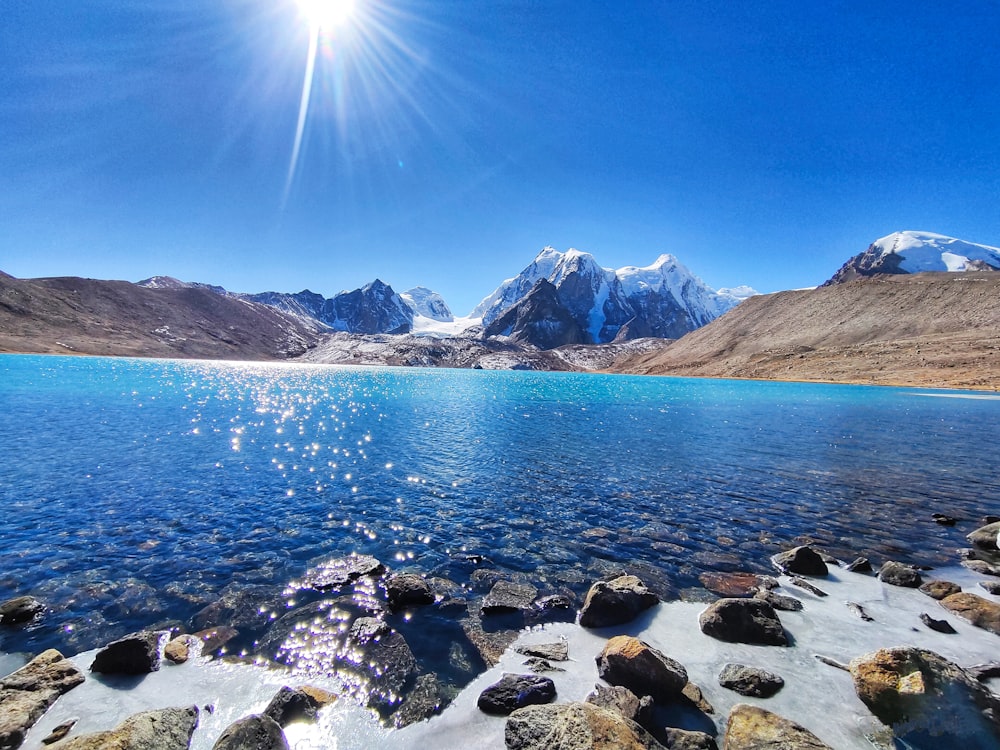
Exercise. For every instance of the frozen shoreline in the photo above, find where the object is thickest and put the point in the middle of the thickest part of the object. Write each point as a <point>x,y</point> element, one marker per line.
<point>818,696</point>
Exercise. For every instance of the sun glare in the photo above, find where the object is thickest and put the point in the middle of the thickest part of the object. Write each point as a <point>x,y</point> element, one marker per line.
<point>327,14</point>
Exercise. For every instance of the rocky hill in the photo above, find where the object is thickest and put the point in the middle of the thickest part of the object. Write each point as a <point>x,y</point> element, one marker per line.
<point>85,316</point>
<point>927,329</point>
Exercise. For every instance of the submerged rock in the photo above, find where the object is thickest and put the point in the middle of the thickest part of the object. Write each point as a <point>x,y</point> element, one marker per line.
<point>644,670</point>
<point>138,653</point>
<point>514,691</point>
<point>980,612</point>
<point>423,701</point>
<point>506,596</point>
<point>898,574</point>
<point>801,560</point>
<point>743,621</point>
<point>342,571</point>
<point>164,729</point>
<point>20,610</point>
<point>920,693</point>
<point>254,732</point>
<point>29,692</point>
<point>408,589</point>
<point>616,602</point>
<point>753,728</point>
<point>575,726</point>
<point>750,681</point>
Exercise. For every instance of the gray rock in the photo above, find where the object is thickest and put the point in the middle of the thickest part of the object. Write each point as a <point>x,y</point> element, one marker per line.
<point>514,691</point>
<point>683,739</point>
<point>920,693</point>
<point>939,589</point>
<point>753,728</point>
<point>625,702</point>
<point>29,692</point>
<point>19,610</point>
<point>253,732</point>
<point>506,596</point>
<point>860,565</point>
<point>941,626</point>
<point>644,670</point>
<point>616,602</point>
<point>779,601</point>
<point>557,651</point>
<point>138,653</point>
<point>985,537</point>
<point>743,621</point>
<point>982,566</point>
<point>993,587</point>
<point>540,666</point>
<point>425,700</point>
<point>290,705</point>
<point>575,726</point>
<point>164,729</point>
<point>750,681</point>
<point>898,574</point>
<point>408,589</point>
<point>341,571</point>
<point>802,560</point>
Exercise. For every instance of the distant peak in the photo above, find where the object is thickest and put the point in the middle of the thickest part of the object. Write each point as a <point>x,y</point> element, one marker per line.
<point>547,252</point>
<point>666,259</point>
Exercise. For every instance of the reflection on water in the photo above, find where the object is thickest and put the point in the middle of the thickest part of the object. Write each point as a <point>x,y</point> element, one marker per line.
<point>190,493</point>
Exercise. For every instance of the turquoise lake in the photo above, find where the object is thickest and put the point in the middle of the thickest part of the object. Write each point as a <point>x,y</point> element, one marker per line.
<point>142,493</point>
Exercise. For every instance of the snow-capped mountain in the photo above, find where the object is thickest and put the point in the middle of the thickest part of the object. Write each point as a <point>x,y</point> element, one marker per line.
<point>169,282</point>
<point>664,299</point>
<point>915,252</point>
<point>374,308</point>
<point>427,304</point>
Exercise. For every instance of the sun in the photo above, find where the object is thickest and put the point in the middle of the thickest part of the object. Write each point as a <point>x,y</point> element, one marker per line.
<point>327,14</point>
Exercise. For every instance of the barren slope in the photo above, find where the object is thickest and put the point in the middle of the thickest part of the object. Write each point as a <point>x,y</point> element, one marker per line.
<point>932,329</point>
<point>64,315</point>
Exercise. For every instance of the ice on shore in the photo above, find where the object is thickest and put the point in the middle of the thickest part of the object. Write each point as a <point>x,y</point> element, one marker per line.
<point>816,695</point>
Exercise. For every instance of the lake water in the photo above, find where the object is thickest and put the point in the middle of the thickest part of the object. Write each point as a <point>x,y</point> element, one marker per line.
<point>137,493</point>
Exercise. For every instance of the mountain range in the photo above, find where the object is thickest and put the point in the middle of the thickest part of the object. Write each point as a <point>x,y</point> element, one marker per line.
<point>885,316</point>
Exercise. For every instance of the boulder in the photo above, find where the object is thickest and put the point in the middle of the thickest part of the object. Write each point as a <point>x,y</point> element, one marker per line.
<point>575,726</point>
<point>860,565</point>
<point>743,621</point>
<point>693,695</point>
<point>138,653</point>
<point>921,693</point>
<point>514,691</point>
<point>408,590</point>
<point>982,566</point>
<point>992,587</point>
<point>750,681</point>
<point>29,692</point>
<point>290,705</point>
<point>164,729</point>
<point>979,611</point>
<point>215,638</point>
<point>19,610</point>
<point>636,665</point>
<point>616,602</point>
<point>779,601</point>
<point>753,728</point>
<point>802,560</point>
<point>625,702</point>
<point>939,589</point>
<point>898,574</point>
<point>342,571</point>
<point>506,596</point>
<point>985,537</point>
<point>182,648</point>
<point>254,732</point>
<point>684,739</point>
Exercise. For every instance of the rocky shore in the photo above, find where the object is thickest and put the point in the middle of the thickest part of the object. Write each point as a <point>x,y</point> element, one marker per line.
<point>824,654</point>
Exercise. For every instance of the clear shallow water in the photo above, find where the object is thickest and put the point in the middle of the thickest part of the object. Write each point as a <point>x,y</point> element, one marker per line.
<point>137,493</point>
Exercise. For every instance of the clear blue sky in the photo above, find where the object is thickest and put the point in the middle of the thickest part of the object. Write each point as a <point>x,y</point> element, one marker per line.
<point>447,142</point>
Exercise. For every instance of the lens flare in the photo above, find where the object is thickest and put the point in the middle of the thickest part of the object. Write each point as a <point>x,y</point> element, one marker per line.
<point>327,14</point>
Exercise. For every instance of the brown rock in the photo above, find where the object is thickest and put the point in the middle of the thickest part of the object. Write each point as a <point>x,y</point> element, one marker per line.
<point>616,602</point>
<point>753,728</point>
<point>29,692</point>
<point>636,665</point>
<point>743,621</point>
<point>683,739</point>
<point>575,726</point>
<point>939,589</point>
<point>697,699</point>
<point>182,648</point>
<point>624,701</point>
<point>919,692</point>
<point>165,729</point>
<point>730,584</point>
<point>979,611</point>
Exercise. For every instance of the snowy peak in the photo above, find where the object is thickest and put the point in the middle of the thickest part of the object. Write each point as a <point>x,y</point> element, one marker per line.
<point>663,299</point>
<point>917,252</point>
<point>427,304</point>
<point>169,282</point>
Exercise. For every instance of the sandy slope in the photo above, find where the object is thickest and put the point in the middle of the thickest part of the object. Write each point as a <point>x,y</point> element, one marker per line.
<point>934,329</point>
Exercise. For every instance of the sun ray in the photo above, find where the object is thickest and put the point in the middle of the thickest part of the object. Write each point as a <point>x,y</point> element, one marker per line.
<point>300,125</point>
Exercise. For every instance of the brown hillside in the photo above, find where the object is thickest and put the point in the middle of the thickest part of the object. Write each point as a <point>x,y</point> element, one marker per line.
<point>85,316</point>
<point>932,329</point>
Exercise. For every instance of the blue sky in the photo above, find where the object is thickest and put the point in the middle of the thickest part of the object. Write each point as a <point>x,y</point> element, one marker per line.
<point>447,142</point>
